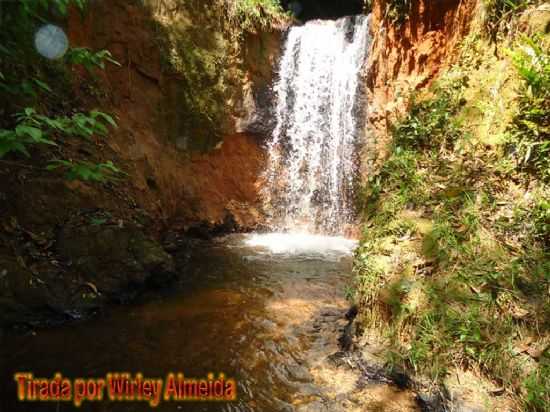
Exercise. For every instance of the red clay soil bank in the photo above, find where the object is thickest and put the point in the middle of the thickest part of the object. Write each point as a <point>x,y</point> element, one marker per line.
<point>407,57</point>
<point>172,184</point>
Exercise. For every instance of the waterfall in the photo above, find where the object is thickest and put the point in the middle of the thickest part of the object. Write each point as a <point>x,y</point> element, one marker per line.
<point>312,153</point>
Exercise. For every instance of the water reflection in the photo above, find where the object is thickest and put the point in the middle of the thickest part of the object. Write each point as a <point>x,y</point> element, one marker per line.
<point>246,307</point>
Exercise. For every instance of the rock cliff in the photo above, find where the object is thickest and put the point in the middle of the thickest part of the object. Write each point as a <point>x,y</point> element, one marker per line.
<point>406,54</point>
<point>192,100</point>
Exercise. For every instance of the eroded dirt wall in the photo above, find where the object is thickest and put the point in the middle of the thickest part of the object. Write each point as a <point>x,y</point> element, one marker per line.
<point>405,57</point>
<point>187,97</point>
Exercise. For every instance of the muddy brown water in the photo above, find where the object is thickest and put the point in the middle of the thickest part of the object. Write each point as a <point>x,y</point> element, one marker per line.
<point>267,318</point>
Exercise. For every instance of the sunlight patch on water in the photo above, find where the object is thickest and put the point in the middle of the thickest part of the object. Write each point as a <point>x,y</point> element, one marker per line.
<point>301,243</point>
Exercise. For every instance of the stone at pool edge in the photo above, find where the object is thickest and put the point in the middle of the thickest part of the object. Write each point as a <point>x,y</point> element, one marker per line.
<point>115,262</point>
<point>115,258</point>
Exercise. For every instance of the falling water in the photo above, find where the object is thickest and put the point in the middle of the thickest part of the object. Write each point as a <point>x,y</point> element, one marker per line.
<point>312,153</point>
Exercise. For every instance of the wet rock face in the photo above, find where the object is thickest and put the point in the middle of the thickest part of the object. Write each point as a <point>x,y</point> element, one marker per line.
<point>258,113</point>
<point>254,112</point>
<point>114,258</point>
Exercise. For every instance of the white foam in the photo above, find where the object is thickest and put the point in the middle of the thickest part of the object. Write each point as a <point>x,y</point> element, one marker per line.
<point>301,243</point>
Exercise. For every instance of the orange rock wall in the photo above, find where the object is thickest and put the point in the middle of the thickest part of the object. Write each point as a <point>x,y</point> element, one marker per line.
<point>404,58</point>
<point>180,187</point>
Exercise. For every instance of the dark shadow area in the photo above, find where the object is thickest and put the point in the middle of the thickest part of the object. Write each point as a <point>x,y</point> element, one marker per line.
<point>323,9</point>
<point>266,322</point>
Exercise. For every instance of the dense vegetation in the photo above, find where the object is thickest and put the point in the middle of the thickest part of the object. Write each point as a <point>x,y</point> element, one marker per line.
<point>42,117</point>
<point>498,13</point>
<point>255,14</point>
<point>455,259</point>
<point>38,110</point>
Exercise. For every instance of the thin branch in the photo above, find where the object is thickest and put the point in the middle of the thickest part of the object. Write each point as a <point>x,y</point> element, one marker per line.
<point>16,164</point>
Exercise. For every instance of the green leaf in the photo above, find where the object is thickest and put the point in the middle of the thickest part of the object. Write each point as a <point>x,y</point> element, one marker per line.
<point>86,171</point>
<point>33,132</point>
<point>7,146</point>
<point>100,128</point>
<point>98,221</point>
<point>82,127</point>
<point>61,6</point>
<point>56,164</point>
<point>95,114</point>
<point>26,88</point>
<point>42,85</point>
<point>81,4</point>
<point>106,55</point>
<point>56,124</point>
<point>29,111</point>
<point>89,59</point>
<point>110,166</point>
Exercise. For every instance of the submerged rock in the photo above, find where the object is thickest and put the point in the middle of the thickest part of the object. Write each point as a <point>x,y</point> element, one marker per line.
<point>115,258</point>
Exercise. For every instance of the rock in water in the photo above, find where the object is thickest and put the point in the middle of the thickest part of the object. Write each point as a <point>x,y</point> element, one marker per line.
<point>115,258</point>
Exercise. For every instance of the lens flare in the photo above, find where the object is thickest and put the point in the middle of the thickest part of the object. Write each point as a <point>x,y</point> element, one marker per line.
<point>51,42</point>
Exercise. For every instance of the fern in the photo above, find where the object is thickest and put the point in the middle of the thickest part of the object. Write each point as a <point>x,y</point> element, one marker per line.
<point>89,59</point>
<point>529,136</point>
<point>87,171</point>
<point>33,128</point>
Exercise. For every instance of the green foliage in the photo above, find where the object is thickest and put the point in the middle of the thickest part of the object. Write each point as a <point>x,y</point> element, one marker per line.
<point>255,14</point>
<point>442,199</point>
<point>540,218</point>
<point>205,52</point>
<point>529,136</point>
<point>87,171</point>
<point>537,385</point>
<point>32,87</point>
<point>431,122</point>
<point>89,59</point>
<point>369,277</point>
<point>79,124</point>
<point>18,139</point>
<point>33,128</point>
<point>430,125</point>
<point>37,7</point>
<point>500,12</point>
<point>457,327</point>
<point>397,11</point>
<point>401,174</point>
<point>532,62</point>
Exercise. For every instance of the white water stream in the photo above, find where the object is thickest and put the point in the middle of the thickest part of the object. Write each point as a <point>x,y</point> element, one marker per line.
<point>312,163</point>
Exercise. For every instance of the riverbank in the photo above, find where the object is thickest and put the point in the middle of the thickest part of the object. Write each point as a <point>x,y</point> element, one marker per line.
<point>452,273</point>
